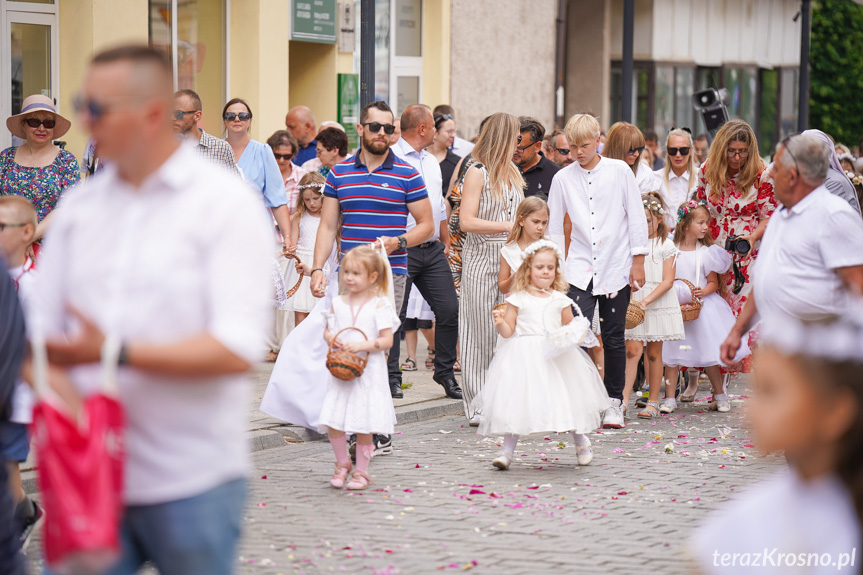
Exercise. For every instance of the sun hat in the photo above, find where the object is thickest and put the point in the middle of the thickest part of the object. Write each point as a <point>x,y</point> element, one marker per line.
<point>37,103</point>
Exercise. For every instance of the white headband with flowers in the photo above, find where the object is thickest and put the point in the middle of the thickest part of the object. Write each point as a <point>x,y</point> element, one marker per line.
<point>654,206</point>
<point>540,244</point>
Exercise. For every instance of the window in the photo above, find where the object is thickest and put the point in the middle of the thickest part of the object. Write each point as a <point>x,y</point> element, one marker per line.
<point>642,95</point>
<point>407,61</point>
<point>768,113</point>
<point>192,33</point>
<point>684,88</point>
<point>382,50</point>
<point>29,57</point>
<point>788,101</point>
<point>665,100</point>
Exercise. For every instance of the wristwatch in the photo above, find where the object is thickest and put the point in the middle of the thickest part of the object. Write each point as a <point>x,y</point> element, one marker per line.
<point>403,242</point>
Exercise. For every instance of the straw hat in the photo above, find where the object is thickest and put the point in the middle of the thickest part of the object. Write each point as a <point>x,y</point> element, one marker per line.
<point>37,103</point>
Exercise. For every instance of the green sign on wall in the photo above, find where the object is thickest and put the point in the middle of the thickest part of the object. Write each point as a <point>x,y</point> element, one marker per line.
<point>349,107</point>
<point>314,21</point>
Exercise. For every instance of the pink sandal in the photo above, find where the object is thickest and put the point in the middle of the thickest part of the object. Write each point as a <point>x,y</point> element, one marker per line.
<point>359,481</point>
<point>339,476</point>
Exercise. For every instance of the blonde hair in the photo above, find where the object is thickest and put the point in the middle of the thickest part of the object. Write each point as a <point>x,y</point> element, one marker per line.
<point>310,181</point>
<point>582,128</point>
<point>654,203</point>
<point>621,138</point>
<point>690,166</point>
<point>521,281</point>
<point>494,150</point>
<point>525,208</point>
<point>24,210</point>
<point>716,167</point>
<point>369,259</point>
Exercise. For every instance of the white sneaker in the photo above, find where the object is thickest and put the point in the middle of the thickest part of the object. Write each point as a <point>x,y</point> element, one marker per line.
<point>669,404</point>
<point>722,405</point>
<point>502,461</point>
<point>613,416</point>
<point>475,420</point>
<point>584,454</point>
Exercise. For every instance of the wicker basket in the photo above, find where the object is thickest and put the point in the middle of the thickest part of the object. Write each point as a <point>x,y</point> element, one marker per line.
<point>290,293</point>
<point>346,365</point>
<point>690,311</point>
<point>634,315</point>
<point>499,306</point>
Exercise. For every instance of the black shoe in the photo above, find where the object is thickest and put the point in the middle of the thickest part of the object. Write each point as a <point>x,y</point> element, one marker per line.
<point>450,387</point>
<point>640,377</point>
<point>29,514</point>
<point>641,402</point>
<point>383,444</point>
<point>396,390</point>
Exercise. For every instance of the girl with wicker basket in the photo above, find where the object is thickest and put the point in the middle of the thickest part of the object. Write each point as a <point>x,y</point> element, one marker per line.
<point>359,332</point>
<point>304,230</point>
<point>703,264</point>
<point>540,380</point>
<point>662,318</point>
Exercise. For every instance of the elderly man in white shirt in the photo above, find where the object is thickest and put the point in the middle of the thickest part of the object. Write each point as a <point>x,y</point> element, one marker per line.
<point>428,267</point>
<point>608,244</point>
<point>166,257</point>
<point>811,256</point>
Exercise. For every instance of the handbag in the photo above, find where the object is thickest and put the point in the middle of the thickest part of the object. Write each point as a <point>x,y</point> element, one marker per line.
<point>577,333</point>
<point>81,462</point>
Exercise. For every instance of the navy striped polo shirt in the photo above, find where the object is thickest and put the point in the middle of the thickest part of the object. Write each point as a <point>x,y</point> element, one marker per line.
<point>375,204</point>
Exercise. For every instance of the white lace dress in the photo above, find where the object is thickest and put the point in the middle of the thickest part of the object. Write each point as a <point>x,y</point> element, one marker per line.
<point>526,391</point>
<point>363,404</point>
<point>662,319</point>
<point>303,300</point>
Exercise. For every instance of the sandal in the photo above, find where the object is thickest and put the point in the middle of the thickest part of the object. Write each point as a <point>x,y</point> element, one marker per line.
<point>430,359</point>
<point>456,367</point>
<point>649,412</point>
<point>410,364</point>
<point>337,481</point>
<point>359,481</point>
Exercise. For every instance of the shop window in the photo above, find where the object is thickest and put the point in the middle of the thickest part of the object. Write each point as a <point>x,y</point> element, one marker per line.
<point>768,112</point>
<point>684,88</point>
<point>665,97</point>
<point>788,101</point>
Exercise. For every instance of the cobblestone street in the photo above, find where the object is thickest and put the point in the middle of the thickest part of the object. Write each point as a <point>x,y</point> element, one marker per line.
<point>438,505</point>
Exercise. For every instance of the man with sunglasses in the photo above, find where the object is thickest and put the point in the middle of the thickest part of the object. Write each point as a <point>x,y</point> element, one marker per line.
<point>538,171</point>
<point>428,267</point>
<point>811,259</point>
<point>187,115</point>
<point>167,258</point>
<point>561,151</point>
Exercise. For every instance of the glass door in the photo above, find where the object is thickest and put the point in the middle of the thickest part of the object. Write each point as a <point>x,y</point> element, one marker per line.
<point>406,71</point>
<point>28,62</point>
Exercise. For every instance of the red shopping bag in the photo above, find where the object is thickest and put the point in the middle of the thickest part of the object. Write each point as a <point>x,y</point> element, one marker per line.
<point>80,463</point>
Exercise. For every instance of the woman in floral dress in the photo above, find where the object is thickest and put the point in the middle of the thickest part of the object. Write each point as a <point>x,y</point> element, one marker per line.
<point>37,169</point>
<point>739,194</point>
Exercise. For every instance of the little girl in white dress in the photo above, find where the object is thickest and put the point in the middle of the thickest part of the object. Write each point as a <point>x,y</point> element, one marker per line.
<point>540,380</point>
<point>531,222</point>
<point>702,263</point>
<point>362,405</point>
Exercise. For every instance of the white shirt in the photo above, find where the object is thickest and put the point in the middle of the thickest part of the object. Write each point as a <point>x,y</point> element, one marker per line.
<point>646,180</point>
<point>429,168</point>
<point>22,398</point>
<point>462,147</point>
<point>795,273</point>
<point>782,514</point>
<point>608,223</point>
<point>674,193</point>
<point>185,254</point>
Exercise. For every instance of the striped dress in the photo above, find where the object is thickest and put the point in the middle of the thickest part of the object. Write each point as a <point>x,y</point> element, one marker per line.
<point>479,291</point>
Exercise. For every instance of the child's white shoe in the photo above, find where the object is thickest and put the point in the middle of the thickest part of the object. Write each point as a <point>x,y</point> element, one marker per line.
<point>669,404</point>
<point>584,454</point>
<point>502,461</point>
<point>721,405</point>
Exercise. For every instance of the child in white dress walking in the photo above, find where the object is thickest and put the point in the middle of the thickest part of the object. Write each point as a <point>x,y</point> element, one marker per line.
<point>361,405</point>
<point>527,390</point>
<point>531,221</point>
<point>663,320</point>
<point>702,263</point>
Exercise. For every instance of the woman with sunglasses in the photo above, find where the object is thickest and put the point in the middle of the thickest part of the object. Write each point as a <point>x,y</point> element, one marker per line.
<point>491,193</point>
<point>626,142</point>
<point>675,179</point>
<point>38,170</point>
<point>739,195</point>
<point>257,164</point>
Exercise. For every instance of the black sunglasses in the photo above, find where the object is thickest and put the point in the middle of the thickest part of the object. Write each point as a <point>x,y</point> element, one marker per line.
<point>636,151</point>
<point>180,114</point>
<point>36,122</point>
<point>684,151</point>
<point>243,116</point>
<point>524,148</point>
<point>563,151</point>
<point>283,156</point>
<point>440,119</point>
<point>375,127</point>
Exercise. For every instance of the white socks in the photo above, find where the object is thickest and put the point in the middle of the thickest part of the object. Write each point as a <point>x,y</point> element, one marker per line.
<point>510,440</point>
<point>720,397</point>
<point>580,439</point>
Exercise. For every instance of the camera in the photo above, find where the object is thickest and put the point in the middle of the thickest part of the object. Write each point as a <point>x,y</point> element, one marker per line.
<point>736,245</point>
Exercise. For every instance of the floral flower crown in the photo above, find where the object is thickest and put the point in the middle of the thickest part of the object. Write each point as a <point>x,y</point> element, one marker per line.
<point>654,206</point>
<point>541,244</point>
<point>319,185</point>
<point>856,179</point>
<point>688,207</point>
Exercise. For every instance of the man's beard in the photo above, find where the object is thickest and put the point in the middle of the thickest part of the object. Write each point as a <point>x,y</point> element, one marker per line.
<point>376,148</point>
